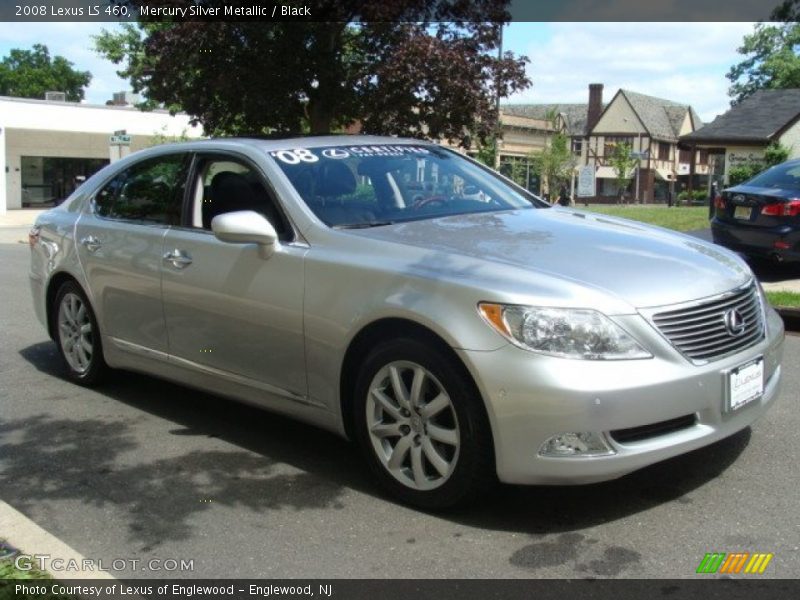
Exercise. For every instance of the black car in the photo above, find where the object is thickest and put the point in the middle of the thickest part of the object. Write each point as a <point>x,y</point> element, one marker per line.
<point>761,217</point>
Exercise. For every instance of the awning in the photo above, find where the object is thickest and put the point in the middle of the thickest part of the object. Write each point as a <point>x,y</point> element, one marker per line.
<point>609,173</point>
<point>665,174</point>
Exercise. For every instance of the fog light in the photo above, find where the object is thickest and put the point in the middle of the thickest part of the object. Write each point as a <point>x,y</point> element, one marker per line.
<point>576,443</point>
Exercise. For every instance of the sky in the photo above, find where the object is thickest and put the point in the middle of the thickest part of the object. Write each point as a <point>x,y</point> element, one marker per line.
<point>683,62</point>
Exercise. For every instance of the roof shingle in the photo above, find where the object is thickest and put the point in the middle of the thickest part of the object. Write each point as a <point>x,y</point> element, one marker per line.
<point>756,119</point>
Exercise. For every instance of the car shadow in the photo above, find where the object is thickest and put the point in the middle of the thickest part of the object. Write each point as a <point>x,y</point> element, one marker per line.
<point>770,271</point>
<point>77,459</point>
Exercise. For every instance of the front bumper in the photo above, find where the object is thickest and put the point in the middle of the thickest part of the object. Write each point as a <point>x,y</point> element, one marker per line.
<point>530,397</point>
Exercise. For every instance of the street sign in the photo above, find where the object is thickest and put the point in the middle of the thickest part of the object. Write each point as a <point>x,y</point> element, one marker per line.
<point>640,155</point>
<point>119,140</point>
<point>586,181</point>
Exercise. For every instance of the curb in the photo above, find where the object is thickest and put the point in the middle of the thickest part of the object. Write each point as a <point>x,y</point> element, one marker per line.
<point>20,532</point>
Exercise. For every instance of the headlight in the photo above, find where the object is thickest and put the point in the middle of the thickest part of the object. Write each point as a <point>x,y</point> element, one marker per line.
<point>564,332</point>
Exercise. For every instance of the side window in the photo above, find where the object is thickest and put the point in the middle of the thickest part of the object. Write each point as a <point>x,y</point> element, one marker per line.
<point>224,184</point>
<point>150,191</point>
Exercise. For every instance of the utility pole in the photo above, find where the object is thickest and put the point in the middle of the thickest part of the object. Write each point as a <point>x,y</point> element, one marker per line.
<point>497,101</point>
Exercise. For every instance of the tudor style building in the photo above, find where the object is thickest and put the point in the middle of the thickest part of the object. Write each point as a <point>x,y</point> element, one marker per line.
<point>740,135</point>
<point>652,127</point>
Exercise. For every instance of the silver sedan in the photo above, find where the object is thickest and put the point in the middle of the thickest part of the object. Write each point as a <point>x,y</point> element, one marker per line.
<point>456,327</point>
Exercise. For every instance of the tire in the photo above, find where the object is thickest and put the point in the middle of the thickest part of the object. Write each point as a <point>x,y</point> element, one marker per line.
<point>77,335</point>
<point>421,425</point>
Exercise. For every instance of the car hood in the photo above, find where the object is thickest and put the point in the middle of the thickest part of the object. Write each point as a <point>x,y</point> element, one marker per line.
<point>641,265</point>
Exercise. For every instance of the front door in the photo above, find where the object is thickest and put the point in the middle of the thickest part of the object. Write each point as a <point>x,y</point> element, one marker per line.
<point>226,307</point>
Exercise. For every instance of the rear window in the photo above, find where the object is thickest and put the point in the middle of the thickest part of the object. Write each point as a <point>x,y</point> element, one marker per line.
<point>780,177</point>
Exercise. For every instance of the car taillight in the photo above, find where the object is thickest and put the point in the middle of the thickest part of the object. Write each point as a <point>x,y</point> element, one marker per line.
<point>790,208</point>
<point>33,235</point>
<point>719,202</point>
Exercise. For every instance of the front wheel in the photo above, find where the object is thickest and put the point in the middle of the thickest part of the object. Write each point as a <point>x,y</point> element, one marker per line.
<point>421,425</point>
<point>78,336</point>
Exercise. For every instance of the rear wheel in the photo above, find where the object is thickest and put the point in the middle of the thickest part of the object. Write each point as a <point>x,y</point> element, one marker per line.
<point>421,425</point>
<point>78,336</point>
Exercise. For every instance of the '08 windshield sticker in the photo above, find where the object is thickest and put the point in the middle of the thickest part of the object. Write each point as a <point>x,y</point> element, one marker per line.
<point>304,155</point>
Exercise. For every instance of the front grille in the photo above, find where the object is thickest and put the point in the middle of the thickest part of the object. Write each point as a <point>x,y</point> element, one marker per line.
<point>699,331</point>
<point>645,432</point>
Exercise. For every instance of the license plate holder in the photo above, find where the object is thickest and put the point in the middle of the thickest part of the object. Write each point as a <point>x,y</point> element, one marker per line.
<point>744,384</point>
<point>742,212</point>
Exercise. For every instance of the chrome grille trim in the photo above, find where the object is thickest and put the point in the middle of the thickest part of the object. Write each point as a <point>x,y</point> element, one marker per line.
<point>697,330</point>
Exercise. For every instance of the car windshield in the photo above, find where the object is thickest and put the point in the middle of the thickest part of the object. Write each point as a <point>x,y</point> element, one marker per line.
<point>780,177</point>
<point>352,186</point>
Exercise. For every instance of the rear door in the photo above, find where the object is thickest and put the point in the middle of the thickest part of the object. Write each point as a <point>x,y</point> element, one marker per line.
<point>119,242</point>
<point>226,307</point>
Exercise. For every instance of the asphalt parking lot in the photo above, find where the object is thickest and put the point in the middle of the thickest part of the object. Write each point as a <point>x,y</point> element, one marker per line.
<point>141,469</point>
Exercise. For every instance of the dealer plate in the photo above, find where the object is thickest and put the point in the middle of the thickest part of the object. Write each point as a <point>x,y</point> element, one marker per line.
<point>745,384</point>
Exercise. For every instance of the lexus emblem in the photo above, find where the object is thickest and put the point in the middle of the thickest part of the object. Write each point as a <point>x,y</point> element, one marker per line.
<point>734,322</point>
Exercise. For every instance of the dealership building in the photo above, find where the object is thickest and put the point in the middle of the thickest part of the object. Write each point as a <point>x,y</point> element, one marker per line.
<point>47,147</point>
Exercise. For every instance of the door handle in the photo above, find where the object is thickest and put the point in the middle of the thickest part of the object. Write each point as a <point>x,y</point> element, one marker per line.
<point>178,258</point>
<point>91,243</point>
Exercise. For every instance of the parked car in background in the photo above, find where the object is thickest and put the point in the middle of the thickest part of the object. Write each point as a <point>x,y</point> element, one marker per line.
<point>456,327</point>
<point>761,217</point>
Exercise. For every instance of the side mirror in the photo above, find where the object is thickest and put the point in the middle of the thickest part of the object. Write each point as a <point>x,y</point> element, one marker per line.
<point>246,227</point>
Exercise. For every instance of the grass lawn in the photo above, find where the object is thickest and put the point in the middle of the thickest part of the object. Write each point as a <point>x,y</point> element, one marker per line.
<point>10,575</point>
<point>679,218</point>
<point>788,299</point>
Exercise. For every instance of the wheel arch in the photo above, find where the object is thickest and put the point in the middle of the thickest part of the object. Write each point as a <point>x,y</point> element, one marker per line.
<point>53,285</point>
<point>387,328</point>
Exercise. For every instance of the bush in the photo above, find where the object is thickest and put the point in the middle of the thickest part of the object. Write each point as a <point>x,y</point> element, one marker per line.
<point>700,195</point>
<point>741,174</point>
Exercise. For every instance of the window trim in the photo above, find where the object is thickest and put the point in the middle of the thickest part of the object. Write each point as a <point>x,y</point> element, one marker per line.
<point>92,206</point>
<point>198,157</point>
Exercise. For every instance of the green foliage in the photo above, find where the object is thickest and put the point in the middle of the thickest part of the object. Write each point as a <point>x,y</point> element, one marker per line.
<point>487,152</point>
<point>772,60</point>
<point>788,10</point>
<point>161,137</point>
<point>31,73</point>
<point>622,163</point>
<point>403,68</point>
<point>555,162</point>
<point>775,154</point>
<point>742,173</point>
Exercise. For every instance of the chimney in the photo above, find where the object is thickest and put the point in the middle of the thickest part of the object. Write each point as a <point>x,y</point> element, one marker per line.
<point>595,106</point>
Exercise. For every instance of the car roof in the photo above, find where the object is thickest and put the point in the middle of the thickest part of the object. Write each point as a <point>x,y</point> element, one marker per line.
<point>289,143</point>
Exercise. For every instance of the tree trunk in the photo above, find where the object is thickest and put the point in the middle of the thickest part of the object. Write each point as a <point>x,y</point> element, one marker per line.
<point>320,118</point>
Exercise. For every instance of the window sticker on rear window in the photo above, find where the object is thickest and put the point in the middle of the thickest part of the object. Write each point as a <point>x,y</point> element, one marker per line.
<point>305,155</point>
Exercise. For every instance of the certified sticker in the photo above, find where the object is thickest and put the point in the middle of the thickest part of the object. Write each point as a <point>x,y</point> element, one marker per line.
<point>336,153</point>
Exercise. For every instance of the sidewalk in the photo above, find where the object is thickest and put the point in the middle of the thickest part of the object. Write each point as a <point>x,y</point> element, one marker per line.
<point>23,217</point>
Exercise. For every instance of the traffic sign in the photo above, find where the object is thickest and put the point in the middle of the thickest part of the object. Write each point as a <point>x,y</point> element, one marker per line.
<point>119,140</point>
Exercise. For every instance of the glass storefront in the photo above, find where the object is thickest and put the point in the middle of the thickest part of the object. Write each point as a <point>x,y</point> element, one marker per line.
<point>48,180</point>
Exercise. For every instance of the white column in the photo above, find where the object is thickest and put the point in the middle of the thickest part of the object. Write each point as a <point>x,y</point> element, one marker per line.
<point>3,167</point>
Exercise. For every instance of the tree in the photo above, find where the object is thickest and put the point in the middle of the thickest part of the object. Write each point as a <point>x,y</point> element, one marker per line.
<point>31,73</point>
<point>772,61</point>
<point>789,10</point>
<point>623,163</point>
<point>554,164</point>
<point>406,67</point>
